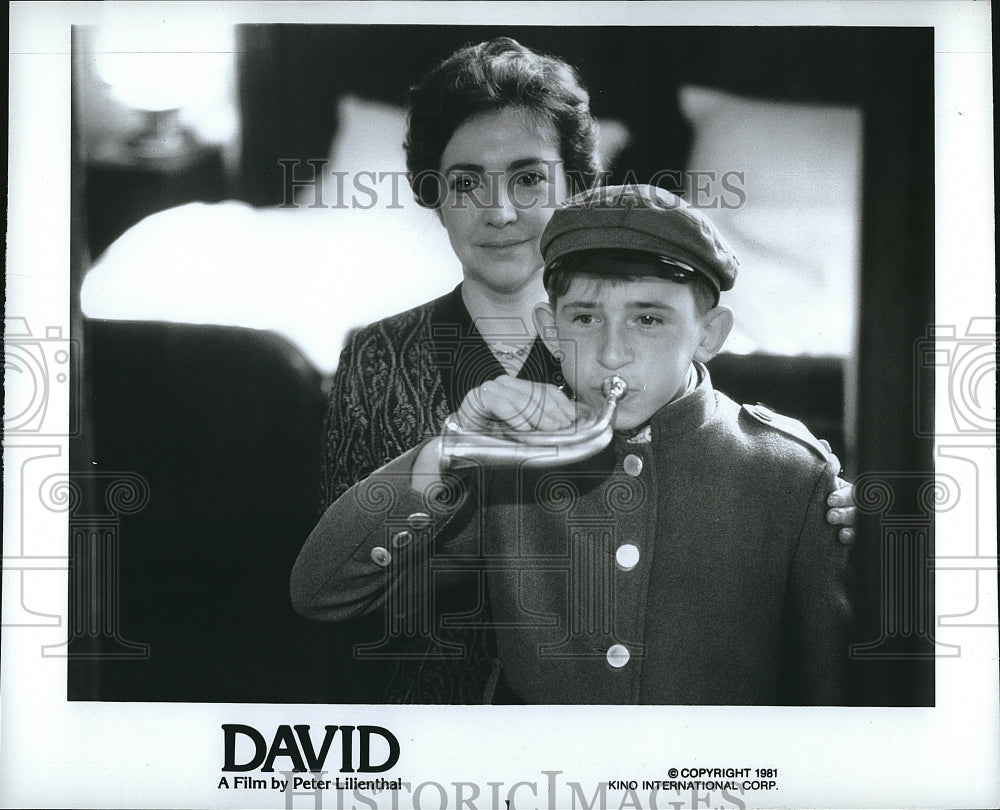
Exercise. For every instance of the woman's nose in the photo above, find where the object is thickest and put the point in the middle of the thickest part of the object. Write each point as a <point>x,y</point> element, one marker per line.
<point>500,206</point>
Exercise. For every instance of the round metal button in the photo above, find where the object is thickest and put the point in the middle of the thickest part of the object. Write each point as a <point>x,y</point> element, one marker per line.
<point>618,655</point>
<point>381,556</point>
<point>400,539</point>
<point>419,520</point>
<point>632,464</point>
<point>627,556</point>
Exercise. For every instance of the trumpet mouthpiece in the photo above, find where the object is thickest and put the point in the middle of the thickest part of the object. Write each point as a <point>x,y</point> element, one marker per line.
<point>614,388</point>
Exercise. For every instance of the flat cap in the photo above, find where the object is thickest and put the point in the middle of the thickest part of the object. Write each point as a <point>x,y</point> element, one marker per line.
<point>641,218</point>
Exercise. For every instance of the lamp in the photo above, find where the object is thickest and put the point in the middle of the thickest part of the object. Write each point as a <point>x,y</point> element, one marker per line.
<point>175,77</point>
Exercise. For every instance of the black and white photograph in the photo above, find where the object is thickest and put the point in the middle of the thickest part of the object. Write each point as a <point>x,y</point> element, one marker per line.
<point>376,371</point>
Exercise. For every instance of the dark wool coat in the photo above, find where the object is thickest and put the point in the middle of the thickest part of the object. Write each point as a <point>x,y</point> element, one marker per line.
<point>697,568</point>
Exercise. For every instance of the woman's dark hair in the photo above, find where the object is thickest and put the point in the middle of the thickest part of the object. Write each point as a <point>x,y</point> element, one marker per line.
<point>491,76</point>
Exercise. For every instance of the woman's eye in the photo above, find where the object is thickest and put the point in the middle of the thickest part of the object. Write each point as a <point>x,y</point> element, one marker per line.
<point>583,318</point>
<point>464,183</point>
<point>529,178</point>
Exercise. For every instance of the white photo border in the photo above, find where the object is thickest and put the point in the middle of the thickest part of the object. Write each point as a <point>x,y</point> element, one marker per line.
<point>56,753</point>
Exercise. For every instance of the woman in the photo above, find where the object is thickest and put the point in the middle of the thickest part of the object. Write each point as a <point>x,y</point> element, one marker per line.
<point>469,116</point>
<point>498,136</point>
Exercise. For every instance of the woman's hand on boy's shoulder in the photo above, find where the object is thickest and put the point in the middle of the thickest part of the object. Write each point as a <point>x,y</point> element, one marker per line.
<point>842,510</point>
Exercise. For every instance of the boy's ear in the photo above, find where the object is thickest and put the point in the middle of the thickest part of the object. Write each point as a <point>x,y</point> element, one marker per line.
<point>545,325</point>
<point>716,325</point>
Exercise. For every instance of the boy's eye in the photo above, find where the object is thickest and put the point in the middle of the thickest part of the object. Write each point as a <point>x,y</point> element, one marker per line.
<point>649,320</point>
<point>583,318</point>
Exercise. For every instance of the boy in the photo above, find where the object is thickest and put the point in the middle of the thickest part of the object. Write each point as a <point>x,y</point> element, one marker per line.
<point>687,562</point>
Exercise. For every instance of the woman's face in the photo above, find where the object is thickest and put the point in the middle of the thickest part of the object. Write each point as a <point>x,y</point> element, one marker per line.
<point>504,178</point>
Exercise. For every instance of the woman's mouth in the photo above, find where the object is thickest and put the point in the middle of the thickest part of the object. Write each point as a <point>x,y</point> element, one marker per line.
<point>507,243</point>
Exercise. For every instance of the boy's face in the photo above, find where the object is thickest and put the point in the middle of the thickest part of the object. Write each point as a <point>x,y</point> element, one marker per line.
<point>646,330</point>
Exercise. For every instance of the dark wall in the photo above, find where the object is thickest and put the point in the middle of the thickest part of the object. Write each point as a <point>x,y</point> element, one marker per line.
<point>292,75</point>
<point>216,432</point>
<point>897,652</point>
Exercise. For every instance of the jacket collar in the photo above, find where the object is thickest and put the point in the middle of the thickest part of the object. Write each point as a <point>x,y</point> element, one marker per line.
<point>688,412</point>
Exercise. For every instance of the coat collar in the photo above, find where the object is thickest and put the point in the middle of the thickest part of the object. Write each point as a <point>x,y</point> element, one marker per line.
<point>688,412</point>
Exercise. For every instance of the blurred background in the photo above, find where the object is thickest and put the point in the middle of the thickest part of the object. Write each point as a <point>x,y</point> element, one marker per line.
<point>220,260</point>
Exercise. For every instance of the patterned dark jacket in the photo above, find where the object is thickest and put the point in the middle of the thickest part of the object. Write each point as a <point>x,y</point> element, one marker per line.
<point>397,381</point>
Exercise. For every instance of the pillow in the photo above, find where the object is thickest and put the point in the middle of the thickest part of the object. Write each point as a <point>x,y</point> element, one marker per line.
<point>795,224</point>
<point>370,137</point>
<point>310,274</point>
